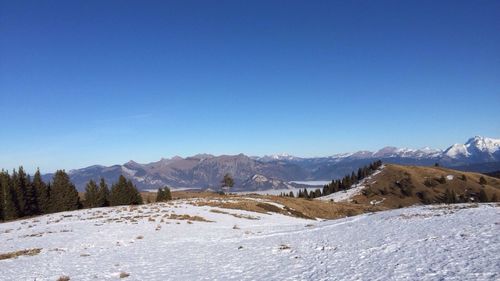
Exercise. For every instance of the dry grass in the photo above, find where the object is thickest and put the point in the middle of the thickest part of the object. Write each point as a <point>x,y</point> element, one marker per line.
<point>403,186</point>
<point>295,207</point>
<point>186,217</point>
<point>63,278</point>
<point>150,197</point>
<point>14,255</point>
<point>240,216</point>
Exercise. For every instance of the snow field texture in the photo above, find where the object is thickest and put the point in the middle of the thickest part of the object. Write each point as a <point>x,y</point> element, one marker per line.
<point>458,242</point>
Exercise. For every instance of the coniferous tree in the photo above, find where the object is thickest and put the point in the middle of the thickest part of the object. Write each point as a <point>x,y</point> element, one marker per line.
<point>168,194</point>
<point>2,200</point>
<point>103,194</point>
<point>124,193</point>
<point>227,182</point>
<point>42,191</point>
<point>19,182</point>
<point>10,206</point>
<point>317,193</point>
<point>306,194</point>
<point>31,200</point>
<point>163,194</point>
<point>64,196</point>
<point>482,180</point>
<point>91,194</point>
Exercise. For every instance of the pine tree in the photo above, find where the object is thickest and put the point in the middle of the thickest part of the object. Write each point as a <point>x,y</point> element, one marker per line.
<point>41,191</point>
<point>160,195</point>
<point>31,200</point>
<point>124,193</point>
<point>306,194</point>
<point>354,179</point>
<point>168,194</point>
<point>64,196</point>
<point>227,182</point>
<point>317,193</point>
<point>10,206</point>
<point>482,180</point>
<point>91,194</point>
<point>19,182</point>
<point>103,194</point>
<point>163,194</point>
<point>2,200</point>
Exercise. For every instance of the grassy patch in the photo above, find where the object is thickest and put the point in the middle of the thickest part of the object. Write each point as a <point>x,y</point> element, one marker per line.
<point>187,217</point>
<point>26,252</point>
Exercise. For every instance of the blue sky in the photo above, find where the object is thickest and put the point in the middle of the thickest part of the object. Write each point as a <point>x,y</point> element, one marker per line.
<point>87,82</point>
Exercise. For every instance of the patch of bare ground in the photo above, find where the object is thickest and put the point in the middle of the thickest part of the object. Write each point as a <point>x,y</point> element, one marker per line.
<point>63,278</point>
<point>186,217</point>
<point>26,252</point>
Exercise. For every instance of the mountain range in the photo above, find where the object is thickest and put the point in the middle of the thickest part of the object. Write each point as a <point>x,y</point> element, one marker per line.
<point>480,154</point>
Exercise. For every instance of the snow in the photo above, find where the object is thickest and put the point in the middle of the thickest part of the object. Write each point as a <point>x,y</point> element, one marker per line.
<point>484,144</point>
<point>456,150</point>
<point>450,177</point>
<point>458,242</point>
<point>477,143</point>
<point>346,195</point>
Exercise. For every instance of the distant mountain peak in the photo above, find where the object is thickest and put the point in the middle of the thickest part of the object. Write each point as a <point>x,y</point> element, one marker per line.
<point>131,162</point>
<point>477,148</point>
<point>277,157</point>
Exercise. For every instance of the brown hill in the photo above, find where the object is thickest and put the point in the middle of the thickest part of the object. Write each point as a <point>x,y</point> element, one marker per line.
<point>401,186</point>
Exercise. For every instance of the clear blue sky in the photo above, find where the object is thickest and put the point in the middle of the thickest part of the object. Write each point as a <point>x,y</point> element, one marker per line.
<point>102,82</point>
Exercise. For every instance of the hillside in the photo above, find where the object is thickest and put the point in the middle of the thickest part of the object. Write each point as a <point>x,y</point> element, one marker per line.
<point>495,174</point>
<point>190,240</point>
<point>400,186</point>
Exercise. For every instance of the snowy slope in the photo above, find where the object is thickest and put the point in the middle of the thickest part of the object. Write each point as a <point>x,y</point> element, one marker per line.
<point>457,242</point>
<point>346,195</point>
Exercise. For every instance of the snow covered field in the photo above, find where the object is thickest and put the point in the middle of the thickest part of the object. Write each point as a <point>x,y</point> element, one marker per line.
<point>156,242</point>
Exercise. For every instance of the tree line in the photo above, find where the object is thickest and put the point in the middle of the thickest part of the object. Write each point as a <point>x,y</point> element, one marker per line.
<point>22,196</point>
<point>339,184</point>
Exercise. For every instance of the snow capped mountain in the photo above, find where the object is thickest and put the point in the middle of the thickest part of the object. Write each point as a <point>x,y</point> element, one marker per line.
<point>484,144</point>
<point>277,157</point>
<point>475,150</point>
